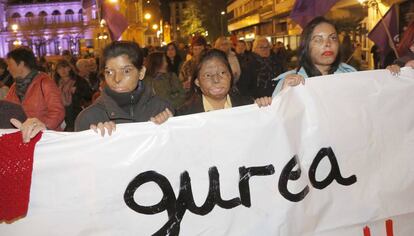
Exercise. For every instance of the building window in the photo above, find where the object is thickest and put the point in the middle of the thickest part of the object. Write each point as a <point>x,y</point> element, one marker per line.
<point>69,15</point>
<point>42,17</point>
<point>80,15</point>
<point>56,16</point>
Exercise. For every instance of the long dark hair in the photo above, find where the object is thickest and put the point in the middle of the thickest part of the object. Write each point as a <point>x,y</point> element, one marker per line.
<point>206,56</point>
<point>173,66</point>
<point>305,60</point>
<point>153,63</point>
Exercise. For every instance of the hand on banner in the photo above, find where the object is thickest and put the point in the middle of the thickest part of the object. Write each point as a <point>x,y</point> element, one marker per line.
<point>263,101</point>
<point>293,80</point>
<point>410,64</point>
<point>162,117</point>
<point>394,69</point>
<point>108,125</point>
<point>30,128</point>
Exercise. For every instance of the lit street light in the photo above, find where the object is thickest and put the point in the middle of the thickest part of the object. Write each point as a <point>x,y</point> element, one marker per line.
<point>147,16</point>
<point>223,13</point>
<point>14,27</point>
<point>154,26</point>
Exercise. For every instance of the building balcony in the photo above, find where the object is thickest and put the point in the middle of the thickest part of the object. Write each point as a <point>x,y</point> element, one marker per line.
<point>32,23</point>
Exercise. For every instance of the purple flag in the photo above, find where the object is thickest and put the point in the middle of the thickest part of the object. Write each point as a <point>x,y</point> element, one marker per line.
<point>305,10</point>
<point>117,23</point>
<point>379,35</point>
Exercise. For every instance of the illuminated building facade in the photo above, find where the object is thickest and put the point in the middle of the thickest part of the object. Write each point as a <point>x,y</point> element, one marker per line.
<point>46,27</point>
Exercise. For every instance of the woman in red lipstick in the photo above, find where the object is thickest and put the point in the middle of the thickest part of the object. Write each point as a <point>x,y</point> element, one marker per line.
<point>319,55</point>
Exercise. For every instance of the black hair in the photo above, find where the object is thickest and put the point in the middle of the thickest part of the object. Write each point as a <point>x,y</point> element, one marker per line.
<point>153,62</point>
<point>206,56</point>
<point>64,63</point>
<point>173,67</point>
<point>25,55</point>
<point>304,50</point>
<point>128,48</point>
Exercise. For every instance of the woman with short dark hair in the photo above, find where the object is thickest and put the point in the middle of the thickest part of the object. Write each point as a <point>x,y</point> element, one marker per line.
<point>211,86</point>
<point>125,98</point>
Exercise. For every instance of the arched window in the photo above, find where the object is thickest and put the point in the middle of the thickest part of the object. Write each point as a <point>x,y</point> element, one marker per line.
<point>42,14</point>
<point>15,18</point>
<point>56,16</point>
<point>16,15</point>
<point>42,17</point>
<point>69,15</point>
<point>80,15</point>
<point>29,14</point>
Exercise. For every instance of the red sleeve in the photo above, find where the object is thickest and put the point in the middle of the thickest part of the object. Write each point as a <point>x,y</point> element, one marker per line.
<point>55,108</point>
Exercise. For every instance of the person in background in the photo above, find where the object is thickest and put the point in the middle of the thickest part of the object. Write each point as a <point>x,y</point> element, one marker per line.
<point>256,78</point>
<point>280,52</point>
<point>5,79</point>
<point>211,87</point>
<point>163,83</point>
<point>198,45</point>
<point>241,51</point>
<point>35,91</point>
<point>173,58</point>
<point>405,51</point>
<point>84,68</point>
<point>74,90</point>
<point>223,44</point>
<point>320,55</point>
<point>125,99</point>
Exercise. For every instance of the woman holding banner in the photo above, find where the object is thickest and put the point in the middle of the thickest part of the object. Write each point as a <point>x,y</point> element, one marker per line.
<point>319,55</point>
<point>211,86</point>
<point>125,99</point>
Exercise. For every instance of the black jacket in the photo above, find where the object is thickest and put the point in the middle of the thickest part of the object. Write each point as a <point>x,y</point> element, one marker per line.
<point>195,104</point>
<point>106,109</point>
<point>257,74</point>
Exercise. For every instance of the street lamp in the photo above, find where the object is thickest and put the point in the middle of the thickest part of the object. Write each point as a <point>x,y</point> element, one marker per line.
<point>147,16</point>
<point>14,27</point>
<point>154,26</point>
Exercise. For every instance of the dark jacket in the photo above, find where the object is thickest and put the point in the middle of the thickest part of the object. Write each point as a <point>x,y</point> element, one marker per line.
<point>10,110</point>
<point>195,104</point>
<point>105,109</point>
<point>404,59</point>
<point>167,86</point>
<point>256,77</point>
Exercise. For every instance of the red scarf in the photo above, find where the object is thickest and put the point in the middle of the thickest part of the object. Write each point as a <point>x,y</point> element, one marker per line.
<point>16,165</point>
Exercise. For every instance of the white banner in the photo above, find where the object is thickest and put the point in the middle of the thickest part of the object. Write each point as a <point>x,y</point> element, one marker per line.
<point>333,157</point>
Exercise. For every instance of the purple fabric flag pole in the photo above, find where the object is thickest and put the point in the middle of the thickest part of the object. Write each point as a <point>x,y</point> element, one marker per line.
<point>305,10</point>
<point>117,23</point>
<point>385,32</point>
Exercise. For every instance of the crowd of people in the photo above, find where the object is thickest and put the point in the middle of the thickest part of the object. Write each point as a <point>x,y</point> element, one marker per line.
<point>152,84</point>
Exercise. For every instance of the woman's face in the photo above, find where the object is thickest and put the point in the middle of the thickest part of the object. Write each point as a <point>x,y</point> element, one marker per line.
<point>324,45</point>
<point>121,75</point>
<point>171,51</point>
<point>63,71</point>
<point>214,79</point>
<point>197,49</point>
